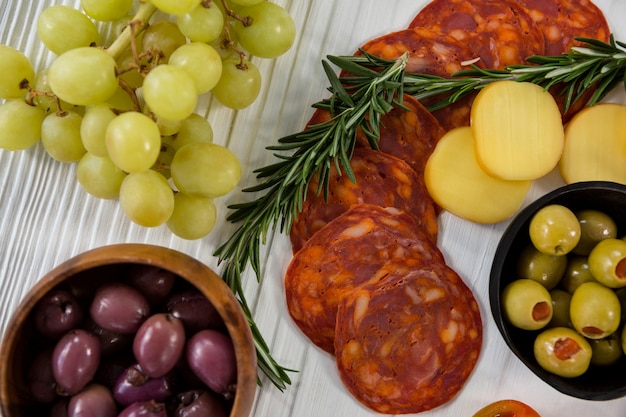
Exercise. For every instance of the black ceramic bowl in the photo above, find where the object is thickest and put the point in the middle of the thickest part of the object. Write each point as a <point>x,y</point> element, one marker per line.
<point>598,383</point>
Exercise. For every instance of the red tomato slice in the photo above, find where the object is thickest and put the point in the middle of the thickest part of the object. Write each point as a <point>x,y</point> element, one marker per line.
<point>507,408</point>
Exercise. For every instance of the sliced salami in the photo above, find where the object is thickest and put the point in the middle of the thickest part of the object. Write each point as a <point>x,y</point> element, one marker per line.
<point>347,252</point>
<point>500,32</point>
<point>408,342</point>
<point>381,179</point>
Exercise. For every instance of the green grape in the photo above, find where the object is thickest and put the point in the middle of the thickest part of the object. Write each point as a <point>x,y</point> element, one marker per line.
<point>205,170</point>
<point>194,128</point>
<point>133,141</point>
<point>271,33</point>
<point>121,101</point>
<point>83,76</point>
<point>147,198</point>
<point>193,217</point>
<point>164,160</point>
<point>554,230</point>
<point>93,128</point>
<point>99,176</point>
<point>175,6</point>
<point>168,127</point>
<point>46,98</point>
<point>20,124</point>
<point>202,24</point>
<point>15,68</point>
<point>246,2</point>
<point>129,74</point>
<point>225,43</point>
<point>163,37</point>
<point>62,28</point>
<point>106,10</point>
<point>60,136</point>
<point>201,62</point>
<point>239,85</point>
<point>170,92</point>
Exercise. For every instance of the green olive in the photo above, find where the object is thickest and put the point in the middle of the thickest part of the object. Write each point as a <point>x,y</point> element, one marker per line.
<point>576,273</point>
<point>621,296</point>
<point>606,351</point>
<point>562,351</point>
<point>541,267</point>
<point>595,310</point>
<point>560,308</point>
<point>594,227</point>
<point>527,304</point>
<point>554,229</point>
<point>607,262</point>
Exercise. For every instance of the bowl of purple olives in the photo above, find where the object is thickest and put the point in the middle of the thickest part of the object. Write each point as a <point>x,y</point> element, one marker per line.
<point>558,289</point>
<point>128,330</point>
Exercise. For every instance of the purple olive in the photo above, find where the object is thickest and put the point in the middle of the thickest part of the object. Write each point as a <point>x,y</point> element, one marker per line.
<point>94,401</point>
<point>111,343</point>
<point>199,404</point>
<point>57,313</point>
<point>158,344</point>
<point>75,360</point>
<point>134,386</point>
<point>194,310</point>
<point>41,378</point>
<point>211,356</point>
<point>145,409</point>
<point>154,283</point>
<point>119,308</point>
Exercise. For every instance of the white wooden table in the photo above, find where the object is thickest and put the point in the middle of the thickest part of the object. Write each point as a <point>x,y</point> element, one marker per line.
<point>47,218</point>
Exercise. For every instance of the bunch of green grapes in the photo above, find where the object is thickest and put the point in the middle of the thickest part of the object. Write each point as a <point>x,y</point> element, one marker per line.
<point>125,112</point>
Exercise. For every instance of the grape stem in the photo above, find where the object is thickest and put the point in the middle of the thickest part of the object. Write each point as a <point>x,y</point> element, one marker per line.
<point>138,23</point>
<point>246,21</point>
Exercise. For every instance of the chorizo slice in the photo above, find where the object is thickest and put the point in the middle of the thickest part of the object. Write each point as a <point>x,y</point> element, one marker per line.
<point>341,256</point>
<point>381,179</point>
<point>408,340</point>
<point>500,32</point>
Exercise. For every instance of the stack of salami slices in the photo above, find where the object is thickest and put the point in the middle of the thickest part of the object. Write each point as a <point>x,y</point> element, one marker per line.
<point>367,282</point>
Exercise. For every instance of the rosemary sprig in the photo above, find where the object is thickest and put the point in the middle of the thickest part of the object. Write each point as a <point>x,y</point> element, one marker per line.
<point>314,152</point>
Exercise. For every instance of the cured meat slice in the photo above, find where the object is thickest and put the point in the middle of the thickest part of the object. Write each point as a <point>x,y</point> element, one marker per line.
<point>433,53</point>
<point>408,342</point>
<point>345,253</point>
<point>500,32</point>
<point>381,179</point>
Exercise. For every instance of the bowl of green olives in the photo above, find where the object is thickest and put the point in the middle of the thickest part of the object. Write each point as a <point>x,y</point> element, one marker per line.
<point>557,289</point>
<point>128,330</point>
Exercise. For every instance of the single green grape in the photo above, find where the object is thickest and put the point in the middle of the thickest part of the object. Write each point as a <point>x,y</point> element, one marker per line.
<point>594,227</point>
<point>595,310</point>
<point>133,141</point>
<point>20,124</point>
<point>60,136</point>
<point>93,128</point>
<point>46,99</point>
<point>606,351</point>
<point>63,28</point>
<point>193,217</point>
<point>541,267</point>
<point>239,85</point>
<point>271,33</point>
<point>576,273</point>
<point>194,128</point>
<point>607,262</point>
<point>176,7</point>
<point>170,92</point>
<point>562,351</point>
<point>527,304</point>
<point>147,198</point>
<point>15,69</point>
<point>99,176</point>
<point>168,127</point>
<point>202,24</point>
<point>205,170</point>
<point>163,37</point>
<point>83,76</point>
<point>106,10</point>
<point>246,2</point>
<point>554,229</point>
<point>201,62</point>
<point>561,301</point>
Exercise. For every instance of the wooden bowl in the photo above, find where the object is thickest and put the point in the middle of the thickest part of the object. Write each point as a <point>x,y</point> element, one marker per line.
<point>15,399</point>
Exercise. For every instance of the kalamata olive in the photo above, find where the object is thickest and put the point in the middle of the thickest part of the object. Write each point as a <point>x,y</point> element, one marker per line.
<point>595,310</point>
<point>527,304</point>
<point>112,367</point>
<point>57,313</point>
<point>554,229</point>
<point>562,351</point>
<point>607,262</point>
<point>93,401</point>
<point>194,310</point>
<point>134,386</point>
<point>541,267</point>
<point>119,308</point>
<point>41,378</point>
<point>111,343</point>
<point>199,404</point>
<point>594,227</point>
<point>576,273</point>
<point>211,356</point>
<point>154,283</point>
<point>145,409</point>
<point>75,360</point>
<point>561,300</point>
<point>159,344</point>
<point>606,351</point>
